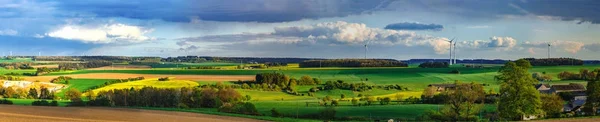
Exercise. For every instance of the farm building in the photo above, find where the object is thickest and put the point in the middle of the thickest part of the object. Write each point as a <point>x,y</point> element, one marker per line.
<point>571,87</point>
<point>442,87</point>
<point>543,88</point>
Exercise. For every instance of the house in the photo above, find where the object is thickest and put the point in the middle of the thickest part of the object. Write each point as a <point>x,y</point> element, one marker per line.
<point>442,87</point>
<point>575,105</point>
<point>543,88</point>
<point>571,87</point>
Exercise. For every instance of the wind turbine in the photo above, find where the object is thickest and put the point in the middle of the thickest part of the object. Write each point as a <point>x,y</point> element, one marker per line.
<point>366,48</point>
<point>454,53</point>
<point>549,50</point>
<point>450,59</point>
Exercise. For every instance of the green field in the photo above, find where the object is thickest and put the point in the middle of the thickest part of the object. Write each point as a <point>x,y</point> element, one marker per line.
<point>15,60</point>
<point>416,79</point>
<point>183,65</point>
<point>81,85</point>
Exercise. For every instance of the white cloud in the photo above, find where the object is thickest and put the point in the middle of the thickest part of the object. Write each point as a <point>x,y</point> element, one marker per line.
<point>329,33</point>
<point>103,34</point>
<point>8,32</point>
<point>38,36</point>
<point>494,42</point>
<point>567,46</point>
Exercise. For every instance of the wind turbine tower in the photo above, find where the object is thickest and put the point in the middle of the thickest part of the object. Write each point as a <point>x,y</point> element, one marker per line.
<point>454,53</point>
<point>366,49</point>
<point>549,50</point>
<point>450,59</point>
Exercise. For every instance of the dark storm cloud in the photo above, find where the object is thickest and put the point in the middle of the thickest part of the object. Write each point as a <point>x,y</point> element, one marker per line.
<point>225,10</point>
<point>568,10</point>
<point>414,26</point>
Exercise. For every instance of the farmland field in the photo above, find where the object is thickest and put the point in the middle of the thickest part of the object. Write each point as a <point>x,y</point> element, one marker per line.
<point>151,82</point>
<point>414,78</point>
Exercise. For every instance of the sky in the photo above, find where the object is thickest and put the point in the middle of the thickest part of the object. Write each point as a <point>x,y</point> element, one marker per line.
<point>482,29</point>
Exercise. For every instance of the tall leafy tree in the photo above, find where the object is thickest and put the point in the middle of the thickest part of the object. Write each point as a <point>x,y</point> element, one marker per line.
<point>461,103</point>
<point>593,95</point>
<point>518,96</point>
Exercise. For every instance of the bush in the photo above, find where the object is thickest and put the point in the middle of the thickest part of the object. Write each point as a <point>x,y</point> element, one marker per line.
<point>455,71</point>
<point>275,113</point>
<point>5,101</point>
<point>239,108</point>
<point>44,103</point>
<point>164,79</point>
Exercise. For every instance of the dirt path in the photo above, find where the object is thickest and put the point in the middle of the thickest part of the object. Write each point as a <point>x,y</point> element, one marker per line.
<point>14,113</point>
<point>125,76</point>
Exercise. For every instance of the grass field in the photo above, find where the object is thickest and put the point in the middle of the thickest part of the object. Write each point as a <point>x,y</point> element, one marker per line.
<point>15,60</point>
<point>82,85</point>
<point>149,83</point>
<point>183,65</point>
<point>416,79</point>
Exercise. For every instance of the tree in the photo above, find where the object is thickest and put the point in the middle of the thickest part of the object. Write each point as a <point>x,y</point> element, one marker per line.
<point>73,94</point>
<point>32,93</point>
<point>343,96</point>
<point>9,92</point>
<point>91,95</point>
<point>518,96</point>
<point>292,85</point>
<point>552,104</point>
<point>461,103</point>
<point>593,97</point>
<point>399,97</point>
<point>354,101</point>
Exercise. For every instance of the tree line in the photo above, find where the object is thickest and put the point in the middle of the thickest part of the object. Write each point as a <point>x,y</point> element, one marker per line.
<point>434,65</point>
<point>554,61</point>
<point>89,64</point>
<point>584,74</point>
<point>353,63</point>
<point>226,99</point>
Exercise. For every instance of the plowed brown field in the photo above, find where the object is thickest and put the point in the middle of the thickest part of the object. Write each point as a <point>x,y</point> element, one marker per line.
<point>13,113</point>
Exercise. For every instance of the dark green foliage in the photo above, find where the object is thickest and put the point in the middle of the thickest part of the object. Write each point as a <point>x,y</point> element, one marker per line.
<point>5,101</point>
<point>584,74</point>
<point>32,93</point>
<point>239,108</point>
<point>163,79</point>
<point>46,94</point>
<point>455,71</point>
<point>353,63</point>
<point>168,97</point>
<point>89,64</point>
<point>554,61</point>
<point>434,65</point>
<point>44,103</point>
<point>17,65</point>
<point>275,113</point>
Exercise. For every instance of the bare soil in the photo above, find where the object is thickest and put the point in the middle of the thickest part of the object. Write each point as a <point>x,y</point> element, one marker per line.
<point>125,76</point>
<point>14,113</point>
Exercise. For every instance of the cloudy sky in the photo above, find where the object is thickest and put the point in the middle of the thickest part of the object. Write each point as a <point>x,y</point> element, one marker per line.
<point>507,29</point>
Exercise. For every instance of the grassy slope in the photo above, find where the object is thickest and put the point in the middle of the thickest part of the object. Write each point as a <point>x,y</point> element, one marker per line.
<point>82,85</point>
